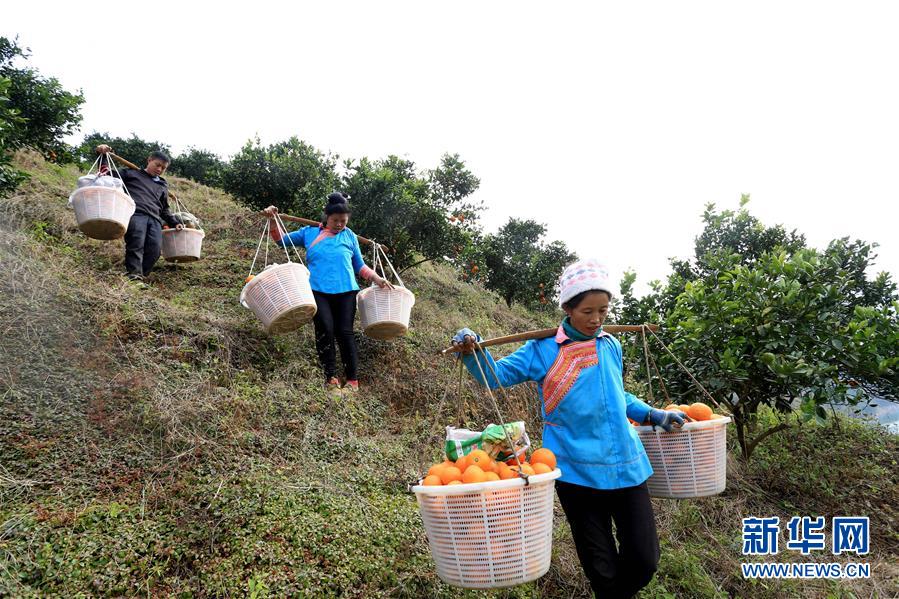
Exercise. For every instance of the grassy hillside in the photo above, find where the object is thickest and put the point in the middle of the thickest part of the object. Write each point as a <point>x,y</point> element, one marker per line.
<point>157,443</point>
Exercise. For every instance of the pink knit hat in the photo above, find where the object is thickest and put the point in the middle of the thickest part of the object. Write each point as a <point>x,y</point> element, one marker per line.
<point>584,275</point>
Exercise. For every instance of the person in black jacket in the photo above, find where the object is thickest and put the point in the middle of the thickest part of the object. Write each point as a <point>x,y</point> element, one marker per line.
<point>150,192</point>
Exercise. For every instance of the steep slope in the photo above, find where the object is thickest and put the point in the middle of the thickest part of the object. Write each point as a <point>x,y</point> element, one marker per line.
<point>156,442</point>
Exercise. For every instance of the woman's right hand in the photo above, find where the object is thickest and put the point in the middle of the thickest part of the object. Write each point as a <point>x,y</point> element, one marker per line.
<point>464,341</point>
<point>271,211</point>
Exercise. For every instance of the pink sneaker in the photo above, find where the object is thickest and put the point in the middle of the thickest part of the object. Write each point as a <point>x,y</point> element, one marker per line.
<point>332,384</point>
<point>352,385</point>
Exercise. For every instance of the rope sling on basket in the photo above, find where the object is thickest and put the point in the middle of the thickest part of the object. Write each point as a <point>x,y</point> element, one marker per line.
<point>691,461</point>
<point>384,313</point>
<point>185,244</point>
<point>103,207</point>
<point>490,534</point>
<point>280,295</point>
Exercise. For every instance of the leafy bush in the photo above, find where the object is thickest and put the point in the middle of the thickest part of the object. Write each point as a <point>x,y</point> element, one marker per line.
<point>426,214</point>
<point>10,177</point>
<point>520,267</point>
<point>290,174</point>
<point>48,112</point>
<point>202,166</point>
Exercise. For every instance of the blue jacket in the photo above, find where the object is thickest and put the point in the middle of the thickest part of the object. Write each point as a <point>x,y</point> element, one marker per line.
<point>584,406</point>
<point>333,262</point>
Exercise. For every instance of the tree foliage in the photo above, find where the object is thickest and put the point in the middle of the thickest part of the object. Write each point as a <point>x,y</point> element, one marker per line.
<point>519,266</point>
<point>131,148</point>
<point>420,215</point>
<point>291,174</point>
<point>10,177</point>
<point>762,320</point>
<point>200,165</point>
<point>47,112</point>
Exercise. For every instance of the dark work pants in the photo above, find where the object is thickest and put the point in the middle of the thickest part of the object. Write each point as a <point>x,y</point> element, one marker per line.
<point>614,572</point>
<point>143,244</point>
<point>334,320</point>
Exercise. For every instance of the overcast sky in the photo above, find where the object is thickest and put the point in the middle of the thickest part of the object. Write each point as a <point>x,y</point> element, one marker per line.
<point>614,123</point>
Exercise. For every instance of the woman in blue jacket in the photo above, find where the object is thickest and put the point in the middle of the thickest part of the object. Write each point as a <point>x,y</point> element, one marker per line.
<point>334,259</point>
<point>585,410</point>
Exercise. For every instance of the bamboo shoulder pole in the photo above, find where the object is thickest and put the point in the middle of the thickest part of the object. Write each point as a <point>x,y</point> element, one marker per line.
<point>315,223</point>
<point>544,333</point>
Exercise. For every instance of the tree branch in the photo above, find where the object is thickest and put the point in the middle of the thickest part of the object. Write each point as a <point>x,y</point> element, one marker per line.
<point>775,429</point>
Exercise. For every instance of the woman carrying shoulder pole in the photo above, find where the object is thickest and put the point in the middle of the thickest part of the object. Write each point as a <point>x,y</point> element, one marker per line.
<point>585,410</point>
<point>334,259</point>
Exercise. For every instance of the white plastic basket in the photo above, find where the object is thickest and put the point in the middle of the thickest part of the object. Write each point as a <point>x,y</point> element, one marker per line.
<point>182,245</point>
<point>385,312</point>
<point>102,212</point>
<point>690,462</point>
<point>281,297</point>
<point>490,535</point>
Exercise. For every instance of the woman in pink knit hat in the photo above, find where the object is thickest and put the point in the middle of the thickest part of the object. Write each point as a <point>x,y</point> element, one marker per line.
<point>585,411</point>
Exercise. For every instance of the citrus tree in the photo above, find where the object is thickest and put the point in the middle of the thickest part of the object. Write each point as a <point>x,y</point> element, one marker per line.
<point>519,265</point>
<point>292,175</point>
<point>786,326</point>
<point>46,112</point>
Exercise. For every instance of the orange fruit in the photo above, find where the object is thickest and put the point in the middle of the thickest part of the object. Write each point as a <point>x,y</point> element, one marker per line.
<point>249,278</point>
<point>525,467</point>
<point>716,416</point>
<point>674,406</point>
<point>491,476</point>
<point>432,480</point>
<point>462,463</point>
<point>505,472</point>
<point>435,469</point>
<point>450,474</point>
<point>544,456</point>
<point>699,411</point>
<point>541,468</point>
<point>479,458</point>
<point>454,482</point>
<point>473,474</point>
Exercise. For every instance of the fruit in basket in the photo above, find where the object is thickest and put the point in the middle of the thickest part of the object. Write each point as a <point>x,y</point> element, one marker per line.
<point>450,474</point>
<point>454,482</point>
<point>473,474</point>
<point>541,468</point>
<point>716,417</point>
<point>481,459</point>
<point>505,472</point>
<point>544,456</point>
<point>249,278</point>
<point>432,480</point>
<point>491,476</point>
<point>674,406</point>
<point>525,468</point>
<point>699,411</point>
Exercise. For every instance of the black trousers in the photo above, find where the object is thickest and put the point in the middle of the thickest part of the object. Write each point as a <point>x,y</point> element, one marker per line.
<point>614,572</point>
<point>143,244</point>
<point>334,320</point>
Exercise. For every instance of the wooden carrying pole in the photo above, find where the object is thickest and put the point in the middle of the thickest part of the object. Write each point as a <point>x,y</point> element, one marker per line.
<point>544,333</point>
<point>287,217</point>
<point>315,223</point>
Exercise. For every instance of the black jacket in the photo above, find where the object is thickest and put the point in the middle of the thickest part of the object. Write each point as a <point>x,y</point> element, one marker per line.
<point>151,196</point>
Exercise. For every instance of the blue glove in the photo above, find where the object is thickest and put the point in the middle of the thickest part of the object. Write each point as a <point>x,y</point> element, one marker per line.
<point>463,333</point>
<point>667,419</point>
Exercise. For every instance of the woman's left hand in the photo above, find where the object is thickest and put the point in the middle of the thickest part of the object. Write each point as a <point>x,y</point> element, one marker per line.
<point>382,282</point>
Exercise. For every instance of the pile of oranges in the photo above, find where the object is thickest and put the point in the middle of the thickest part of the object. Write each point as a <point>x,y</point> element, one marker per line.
<point>695,411</point>
<point>479,467</point>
